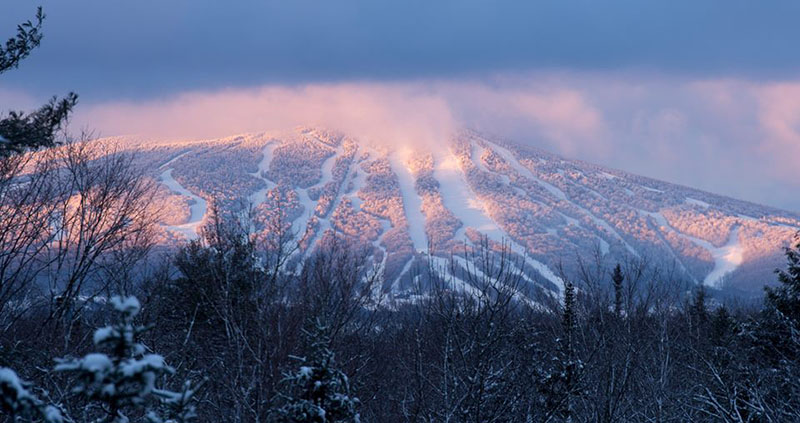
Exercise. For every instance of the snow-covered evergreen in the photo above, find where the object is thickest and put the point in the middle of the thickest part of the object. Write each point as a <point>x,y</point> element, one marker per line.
<point>17,401</point>
<point>124,381</point>
<point>317,392</point>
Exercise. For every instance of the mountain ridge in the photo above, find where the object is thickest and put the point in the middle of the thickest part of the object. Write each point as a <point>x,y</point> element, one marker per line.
<point>409,205</point>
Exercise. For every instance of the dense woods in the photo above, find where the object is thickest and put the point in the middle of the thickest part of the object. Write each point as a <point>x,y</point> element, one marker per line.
<point>320,344</point>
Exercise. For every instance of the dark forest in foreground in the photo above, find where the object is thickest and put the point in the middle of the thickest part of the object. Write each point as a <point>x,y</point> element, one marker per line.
<point>261,344</point>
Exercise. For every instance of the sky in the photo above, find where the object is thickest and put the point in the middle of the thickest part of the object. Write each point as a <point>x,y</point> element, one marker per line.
<point>700,93</point>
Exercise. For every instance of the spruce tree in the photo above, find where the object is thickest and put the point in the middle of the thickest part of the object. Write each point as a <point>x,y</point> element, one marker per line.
<point>19,131</point>
<point>617,278</point>
<point>20,404</point>
<point>317,392</point>
<point>121,385</point>
<point>779,327</point>
<point>570,366</point>
<point>559,383</point>
<point>698,311</point>
<point>784,300</point>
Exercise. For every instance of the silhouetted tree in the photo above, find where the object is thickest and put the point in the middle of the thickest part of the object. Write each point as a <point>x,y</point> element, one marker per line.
<point>785,299</point>
<point>20,131</point>
<point>318,392</point>
<point>617,278</point>
<point>698,311</point>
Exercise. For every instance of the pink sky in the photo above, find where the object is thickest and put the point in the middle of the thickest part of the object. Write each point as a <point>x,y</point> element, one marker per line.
<point>734,137</point>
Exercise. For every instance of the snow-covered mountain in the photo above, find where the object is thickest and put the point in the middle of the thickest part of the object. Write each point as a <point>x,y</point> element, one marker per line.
<point>407,206</point>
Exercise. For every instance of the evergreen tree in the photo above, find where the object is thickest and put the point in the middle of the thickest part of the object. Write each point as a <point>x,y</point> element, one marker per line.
<point>698,312</point>
<point>617,278</point>
<point>722,326</point>
<point>19,131</point>
<point>19,403</point>
<point>779,328</point>
<point>784,300</point>
<point>317,392</point>
<point>559,384</point>
<point>570,366</point>
<point>122,384</point>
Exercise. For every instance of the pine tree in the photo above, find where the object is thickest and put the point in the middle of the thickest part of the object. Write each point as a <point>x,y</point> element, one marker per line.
<point>617,278</point>
<point>123,382</point>
<point>119,385</point>
<point>779,327</point>
<point>785,299</point>
<point>559,384</point>
<point>317,392</point>
<point>17,402</point>
<point>698,311</point>
<point>568,325</point>
<point>19,131</point>
<point>722,326</point>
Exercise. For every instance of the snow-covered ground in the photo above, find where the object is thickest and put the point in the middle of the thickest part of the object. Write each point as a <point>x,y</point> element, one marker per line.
<point>197,207</point>
<point>263,166</point>
<point>412,203</point>
<point>461,201</point>
<point>459,198</point>
<point>726,258</point>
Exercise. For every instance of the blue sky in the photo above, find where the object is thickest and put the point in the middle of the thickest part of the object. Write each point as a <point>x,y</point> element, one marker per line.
<point>695,92</point>
<point>152,47</point>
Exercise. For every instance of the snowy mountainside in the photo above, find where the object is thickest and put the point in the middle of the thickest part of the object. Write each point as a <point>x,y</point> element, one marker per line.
<point>409,207</point>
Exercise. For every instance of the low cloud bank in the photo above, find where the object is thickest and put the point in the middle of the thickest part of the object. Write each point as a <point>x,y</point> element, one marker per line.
<point>734,137</point>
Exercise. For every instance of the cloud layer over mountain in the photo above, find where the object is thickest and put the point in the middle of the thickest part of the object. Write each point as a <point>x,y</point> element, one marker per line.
<point>730,136</point>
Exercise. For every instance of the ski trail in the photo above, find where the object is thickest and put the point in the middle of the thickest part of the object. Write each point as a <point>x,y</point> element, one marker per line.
<point>458,197</point>
<point>197,208</point>
<point>260,196</point>
<point>481,275</point>
<point>327,176</point>
<point>172,160</point>
<point>662,221</point>
<point>385,226</point>
<point>300,224</point>
<point>524,171</point>
<point>442,267</point>
<point>412,203</point>
<point>726,258</point>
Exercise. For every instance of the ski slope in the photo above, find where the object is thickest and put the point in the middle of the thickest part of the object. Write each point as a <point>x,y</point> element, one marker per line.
<point>197,207</point>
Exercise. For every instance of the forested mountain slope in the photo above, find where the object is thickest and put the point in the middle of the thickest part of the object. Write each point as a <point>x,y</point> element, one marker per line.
<point>406,207</point>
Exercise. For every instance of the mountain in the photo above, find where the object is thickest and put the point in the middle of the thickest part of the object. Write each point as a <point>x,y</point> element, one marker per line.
<point>406,206</point>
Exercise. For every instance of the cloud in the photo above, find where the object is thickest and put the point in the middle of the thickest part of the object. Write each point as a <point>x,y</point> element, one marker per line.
<point>380,112</point>
<point>395,113</point>
<point>779,115</point>
<point>731,136</point>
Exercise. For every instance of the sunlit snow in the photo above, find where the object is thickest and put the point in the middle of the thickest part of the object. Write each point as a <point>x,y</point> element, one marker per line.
<point>197,206</point>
